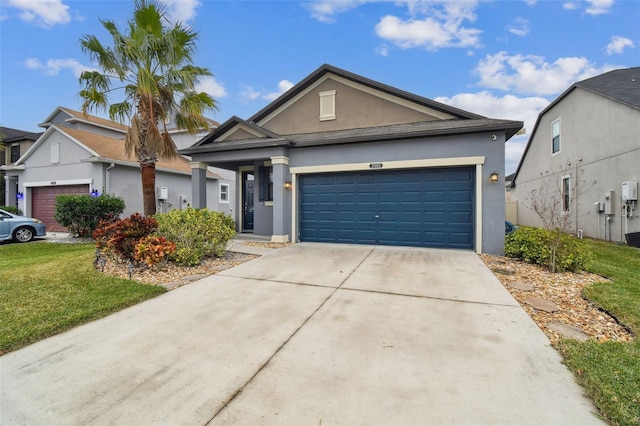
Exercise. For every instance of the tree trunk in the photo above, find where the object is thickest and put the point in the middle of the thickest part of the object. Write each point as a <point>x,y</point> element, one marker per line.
<point>148,174</point>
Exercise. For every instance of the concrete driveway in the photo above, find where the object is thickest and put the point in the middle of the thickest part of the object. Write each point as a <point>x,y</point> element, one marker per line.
<point>306,335</point>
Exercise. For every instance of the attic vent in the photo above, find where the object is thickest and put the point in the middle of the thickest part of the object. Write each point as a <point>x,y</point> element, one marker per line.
<point>328,105</point>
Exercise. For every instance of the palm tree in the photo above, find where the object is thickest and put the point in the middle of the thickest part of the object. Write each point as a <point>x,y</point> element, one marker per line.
<point>151,66</point>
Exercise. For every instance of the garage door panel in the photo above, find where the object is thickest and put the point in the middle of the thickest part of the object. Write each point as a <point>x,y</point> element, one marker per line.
<point>43,204</point>
<point>426,207</point>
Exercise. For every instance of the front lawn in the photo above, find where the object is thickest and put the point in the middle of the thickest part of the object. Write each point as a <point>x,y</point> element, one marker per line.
<point>47,288</point>
<point>610,372</point>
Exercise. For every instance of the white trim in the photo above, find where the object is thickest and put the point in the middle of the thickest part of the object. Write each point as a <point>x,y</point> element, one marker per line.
<point>238,127</point>
<point>59,183</point>
<point>280,159</point>
<point>294,207</point>
<point>366,89</point>
<point>478,206</point>
<point>557,120</point>
<point>391,165</point>
<point>220,200</point>
<point>280,238</point>
<point>268,203</point>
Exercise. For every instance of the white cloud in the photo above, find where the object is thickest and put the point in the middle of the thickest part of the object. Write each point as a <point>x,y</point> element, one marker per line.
<point>326,10</point>
<point>181,10</point>
<point>211,86</point>
<point>433,25</point>
<point>618,44</point>
<point>508,107</point>
<point>44,13</point>
<point>283,86</point>
<point>520,27</point>
<point>569,5</point>
<point>54,66</point>
<point>598,7</point>
<point>248,93</point>
<point>530,74</point>
<point>531,2</point>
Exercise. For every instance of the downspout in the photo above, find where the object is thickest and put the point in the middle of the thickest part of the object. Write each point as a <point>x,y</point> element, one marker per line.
<point>107,178</point>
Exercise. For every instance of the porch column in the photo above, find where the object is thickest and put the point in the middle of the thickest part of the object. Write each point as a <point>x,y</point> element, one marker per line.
<point>11,190</point>
<point>198,185</point>
<point>281,200</point>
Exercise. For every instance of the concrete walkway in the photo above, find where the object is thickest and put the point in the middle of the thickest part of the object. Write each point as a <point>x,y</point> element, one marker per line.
<point>309,334</point>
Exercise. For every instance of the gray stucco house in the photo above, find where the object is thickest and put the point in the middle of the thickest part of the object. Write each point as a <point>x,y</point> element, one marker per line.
<point>81,154</point>
<point>341,158</point>
<point>586,147</point>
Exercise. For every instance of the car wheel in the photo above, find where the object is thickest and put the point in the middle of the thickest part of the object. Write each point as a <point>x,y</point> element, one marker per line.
<point>24,234</point>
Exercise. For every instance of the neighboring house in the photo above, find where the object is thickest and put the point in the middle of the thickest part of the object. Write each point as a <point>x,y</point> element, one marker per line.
<point>585,147</point>
<point>83,154</point>
<point>15,143</point>
<point>341,158</point>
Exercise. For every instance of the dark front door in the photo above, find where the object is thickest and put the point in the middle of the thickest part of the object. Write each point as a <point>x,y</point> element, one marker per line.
<point>247,201</point>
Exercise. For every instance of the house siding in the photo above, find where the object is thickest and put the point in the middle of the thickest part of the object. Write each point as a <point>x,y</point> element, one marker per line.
<point>600,149</point>
<point>350,113</point>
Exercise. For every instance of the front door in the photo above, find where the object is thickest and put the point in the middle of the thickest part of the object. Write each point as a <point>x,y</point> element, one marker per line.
<point>247,201</point>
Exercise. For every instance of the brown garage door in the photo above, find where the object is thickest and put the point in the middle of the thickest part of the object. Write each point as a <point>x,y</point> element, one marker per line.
<point>43,204</point>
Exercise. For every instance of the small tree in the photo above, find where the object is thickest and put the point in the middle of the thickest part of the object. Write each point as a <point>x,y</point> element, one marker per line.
<point>553,201</point>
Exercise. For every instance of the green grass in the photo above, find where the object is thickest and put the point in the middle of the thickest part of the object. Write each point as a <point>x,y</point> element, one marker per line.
<point>610,372</point>
<point>47,288</point>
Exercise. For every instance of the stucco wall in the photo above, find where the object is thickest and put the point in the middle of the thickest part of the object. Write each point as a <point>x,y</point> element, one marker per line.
<point>600,148</point>
<point>493,205</point>
<point>351,112</point>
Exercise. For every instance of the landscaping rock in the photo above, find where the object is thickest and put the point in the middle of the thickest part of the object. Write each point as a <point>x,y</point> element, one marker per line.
<point>521,286</point>
<point>542,304</point>
<point>568,331</point>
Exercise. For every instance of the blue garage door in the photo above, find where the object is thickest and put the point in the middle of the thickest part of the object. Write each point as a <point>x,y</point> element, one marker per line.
<point>421,208</point>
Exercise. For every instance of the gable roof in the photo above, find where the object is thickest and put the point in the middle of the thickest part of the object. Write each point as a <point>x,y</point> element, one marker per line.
<point>457,121</point>
<point>77,116</point>
<point>622,85</point>
<point>105,149</point>
<point>326,69</point>
<point>10,135</point>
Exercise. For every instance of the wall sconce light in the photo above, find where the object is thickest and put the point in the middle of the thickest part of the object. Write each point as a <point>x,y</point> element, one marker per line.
<point>20,195</point>
<point>95,193</point>
<point>287,185</point>
<point>493,177</point>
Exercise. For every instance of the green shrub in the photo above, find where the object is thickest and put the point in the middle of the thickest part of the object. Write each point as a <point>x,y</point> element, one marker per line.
<point>80,214</point>
<point>119,238</point>
<point>551,249</point>
<point>198,233</point>
<point>10,209</point>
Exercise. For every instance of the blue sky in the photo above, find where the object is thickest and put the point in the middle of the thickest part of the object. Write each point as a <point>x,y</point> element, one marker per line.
<point>501,59</point>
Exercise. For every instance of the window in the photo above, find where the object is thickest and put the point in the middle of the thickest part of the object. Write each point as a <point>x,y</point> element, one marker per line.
<point>224,193</point>
<point>15,153</point>
<point>566,193</point>
<point>265,175</point>
<point>555,136</point>
<point>328,105</point>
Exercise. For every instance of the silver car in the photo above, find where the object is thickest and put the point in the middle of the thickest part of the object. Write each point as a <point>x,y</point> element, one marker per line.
<point>20,228</point>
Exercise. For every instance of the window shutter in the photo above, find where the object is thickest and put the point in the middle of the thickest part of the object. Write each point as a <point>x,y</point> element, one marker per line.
<point>328,105</point>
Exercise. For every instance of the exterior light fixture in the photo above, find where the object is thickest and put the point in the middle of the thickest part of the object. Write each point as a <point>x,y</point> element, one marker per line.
<point>287,185</point>
<point>130,268</point>
<point>20,195</point>
<point>493,177</point>
<point>95,193</point>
